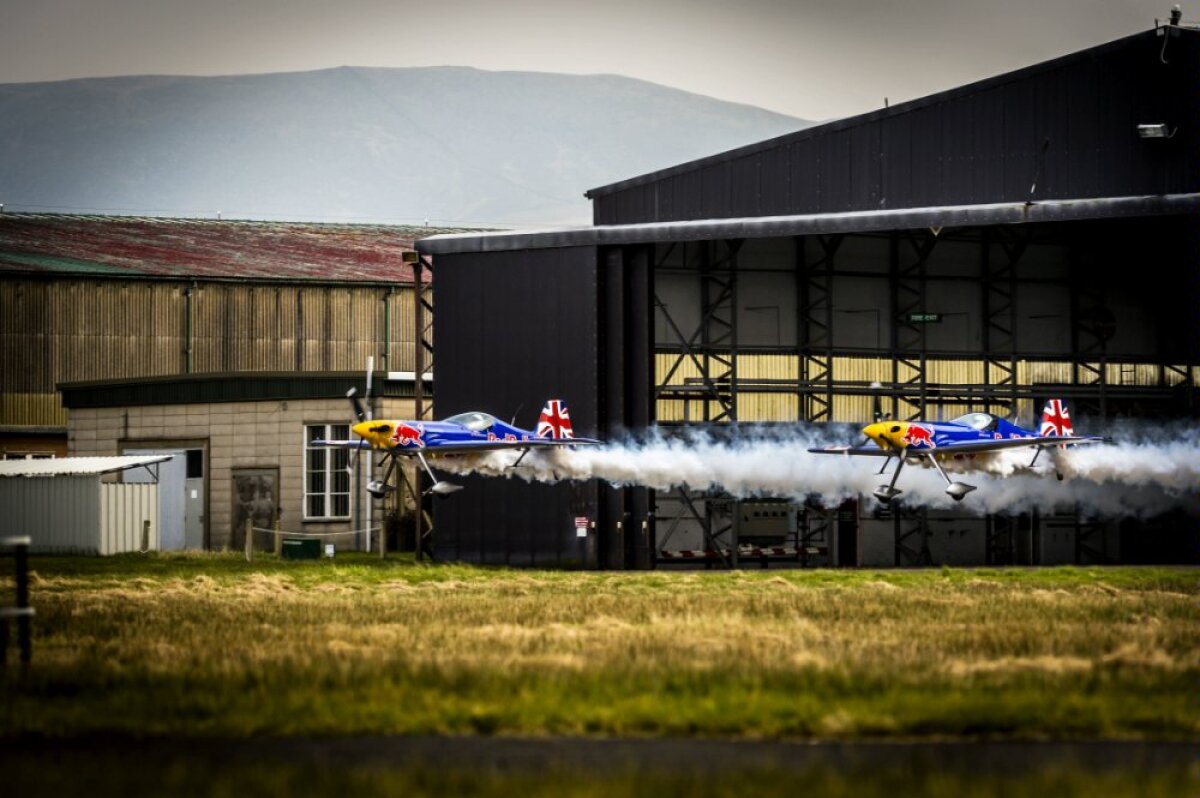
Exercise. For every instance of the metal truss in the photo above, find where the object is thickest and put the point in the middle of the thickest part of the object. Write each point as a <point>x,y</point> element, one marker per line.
<point>1089,541</point>
<point>715,521</point>
<point>712,347</point>
<point>814,282</point>
<point>999,278</point>
<point>909,252</point>
<point>423,410</point>
<point>912,536</point>
<point>816,524</point>
<point>1001,539</point>
<point>1092,325</point>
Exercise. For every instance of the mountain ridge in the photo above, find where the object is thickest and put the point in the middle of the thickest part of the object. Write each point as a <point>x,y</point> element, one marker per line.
<point>451,144</point>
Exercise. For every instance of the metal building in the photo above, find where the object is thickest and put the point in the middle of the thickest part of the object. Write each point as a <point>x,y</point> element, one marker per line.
<point>65,506</point>
<point>1029,235</point>
<point>104,298</point>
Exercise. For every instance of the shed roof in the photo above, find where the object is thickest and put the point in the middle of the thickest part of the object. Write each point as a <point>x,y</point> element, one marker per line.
<point>77,466</point>
<point>124,246</point>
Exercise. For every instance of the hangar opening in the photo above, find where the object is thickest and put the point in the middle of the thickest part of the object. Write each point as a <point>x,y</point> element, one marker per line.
<point>986,248</point>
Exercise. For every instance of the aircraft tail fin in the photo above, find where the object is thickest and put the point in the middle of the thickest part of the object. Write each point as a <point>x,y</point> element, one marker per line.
<point>555,422</point>
<point>1056,420</point>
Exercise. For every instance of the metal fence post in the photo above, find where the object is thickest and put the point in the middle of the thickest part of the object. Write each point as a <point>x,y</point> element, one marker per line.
<point>249,540</point>
<point>22,611</point>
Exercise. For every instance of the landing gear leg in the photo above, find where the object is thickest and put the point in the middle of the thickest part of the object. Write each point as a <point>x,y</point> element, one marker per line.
<point>956,489</point>
<point>381,487</point>
<point>438,488</point>
<point>885,493</point>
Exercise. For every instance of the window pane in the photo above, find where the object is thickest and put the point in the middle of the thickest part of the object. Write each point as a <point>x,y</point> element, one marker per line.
<point>316,482</point>
<point>316,459</point>
<point>315,433</point>
<point>339,432</point>
<point>341,504</point>
<point>316,506</point>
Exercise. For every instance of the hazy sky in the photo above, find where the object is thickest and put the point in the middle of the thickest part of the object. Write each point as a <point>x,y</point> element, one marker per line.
<point>814,59</point>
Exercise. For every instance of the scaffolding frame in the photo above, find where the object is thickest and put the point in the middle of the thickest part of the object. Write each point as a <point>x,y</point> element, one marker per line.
<point>713,349</point>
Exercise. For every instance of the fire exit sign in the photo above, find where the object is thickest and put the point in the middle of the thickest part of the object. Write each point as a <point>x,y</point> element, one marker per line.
<point>924,318</point>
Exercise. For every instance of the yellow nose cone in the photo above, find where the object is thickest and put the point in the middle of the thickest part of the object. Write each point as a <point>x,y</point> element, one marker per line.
<point>374,432</point>
<point>887,434</point>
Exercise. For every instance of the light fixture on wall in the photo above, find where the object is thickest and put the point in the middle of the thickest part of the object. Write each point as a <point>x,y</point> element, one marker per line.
<point>1156,131</point>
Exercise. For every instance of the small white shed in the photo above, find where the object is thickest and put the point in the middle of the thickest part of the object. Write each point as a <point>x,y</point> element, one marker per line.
<point>63,505</point>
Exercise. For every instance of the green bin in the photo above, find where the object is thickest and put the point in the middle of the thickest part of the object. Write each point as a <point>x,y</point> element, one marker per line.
<point>300,549</point>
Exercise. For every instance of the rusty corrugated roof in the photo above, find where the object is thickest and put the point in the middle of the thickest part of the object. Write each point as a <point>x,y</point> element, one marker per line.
<point>123,246</point>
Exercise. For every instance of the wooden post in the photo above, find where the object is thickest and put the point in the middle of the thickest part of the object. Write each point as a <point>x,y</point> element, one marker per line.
<point>278,533</point>
<point>145,536</point>
<point>383,521</point>
<point>249,540</point>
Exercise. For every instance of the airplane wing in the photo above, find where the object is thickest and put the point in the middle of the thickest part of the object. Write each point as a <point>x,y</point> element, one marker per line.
<point>1011,443</point>
<point>487,446</point>
<point>964,448</point>
<point>465,446</point>
<point>868,451</point>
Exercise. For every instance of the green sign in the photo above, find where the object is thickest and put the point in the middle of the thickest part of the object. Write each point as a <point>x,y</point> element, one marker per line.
<point>924,318</point>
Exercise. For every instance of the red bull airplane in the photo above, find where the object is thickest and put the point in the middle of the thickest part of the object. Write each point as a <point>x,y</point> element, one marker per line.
<point>461,434</point>
<point>965,438</point>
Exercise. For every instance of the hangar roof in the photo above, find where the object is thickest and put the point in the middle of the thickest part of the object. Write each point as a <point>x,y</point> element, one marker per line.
<point>811,224</point>
<point>76,466</point>
<point>900,109</point>
<point>198,249</point>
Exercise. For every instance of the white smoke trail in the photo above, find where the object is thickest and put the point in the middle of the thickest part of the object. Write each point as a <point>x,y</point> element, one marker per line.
<point>1145,471</point>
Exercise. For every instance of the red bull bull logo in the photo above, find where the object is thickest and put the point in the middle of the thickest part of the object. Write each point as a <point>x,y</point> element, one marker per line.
<point>919,437</point>
<point>408,435</point>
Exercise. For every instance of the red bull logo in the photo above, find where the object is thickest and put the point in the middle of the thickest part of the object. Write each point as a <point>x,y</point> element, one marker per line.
<point>918,437</point>
<point>408,435</point>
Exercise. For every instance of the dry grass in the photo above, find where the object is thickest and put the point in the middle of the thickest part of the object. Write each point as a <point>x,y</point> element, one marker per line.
<point>211,645</point>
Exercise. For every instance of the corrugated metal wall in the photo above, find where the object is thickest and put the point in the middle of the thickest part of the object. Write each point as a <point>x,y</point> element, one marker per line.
<point>1070,124</point>
<point>781,404</point>
<point>62,514</point>
<point>125,510</point>
<point>78,514</point>
<point>54,331</point>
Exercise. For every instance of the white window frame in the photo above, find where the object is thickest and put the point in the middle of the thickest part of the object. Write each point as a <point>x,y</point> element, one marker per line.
<point>330,456</point>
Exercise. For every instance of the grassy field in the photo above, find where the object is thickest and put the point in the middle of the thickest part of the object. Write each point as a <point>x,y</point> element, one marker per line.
<point>208,645</point>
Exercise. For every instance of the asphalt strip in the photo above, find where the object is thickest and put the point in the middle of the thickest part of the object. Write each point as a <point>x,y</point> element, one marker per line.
<point>510,754</point>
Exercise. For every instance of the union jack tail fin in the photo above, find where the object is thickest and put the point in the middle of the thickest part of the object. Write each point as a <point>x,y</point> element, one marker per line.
<point>555,422</point>
<point>1056,420</point>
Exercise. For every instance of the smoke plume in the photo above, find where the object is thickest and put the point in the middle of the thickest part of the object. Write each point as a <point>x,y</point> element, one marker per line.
<point>1145,471</point>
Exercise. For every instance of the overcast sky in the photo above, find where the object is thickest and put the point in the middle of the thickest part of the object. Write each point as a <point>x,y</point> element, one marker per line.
<point>815,59</point>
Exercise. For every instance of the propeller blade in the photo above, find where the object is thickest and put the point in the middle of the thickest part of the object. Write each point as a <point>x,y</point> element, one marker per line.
<point>360,412</point>
<point>370,376</point>
<point>877,408</point>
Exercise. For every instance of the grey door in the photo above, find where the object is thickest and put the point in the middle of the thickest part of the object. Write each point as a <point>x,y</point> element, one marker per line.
<point>180,496</point>
<point>172,479</point>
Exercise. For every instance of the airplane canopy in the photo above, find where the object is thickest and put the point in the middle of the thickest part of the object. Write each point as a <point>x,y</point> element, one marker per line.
<point>474,420</point>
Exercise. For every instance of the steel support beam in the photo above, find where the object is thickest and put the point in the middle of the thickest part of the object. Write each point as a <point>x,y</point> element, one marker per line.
<point>423,408</point>
<point>815,324</point>
<point>908,252</point>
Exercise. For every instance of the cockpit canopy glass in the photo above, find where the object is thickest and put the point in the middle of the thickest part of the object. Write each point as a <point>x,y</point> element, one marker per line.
<point>979,421</point>
<point>474,421</point>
